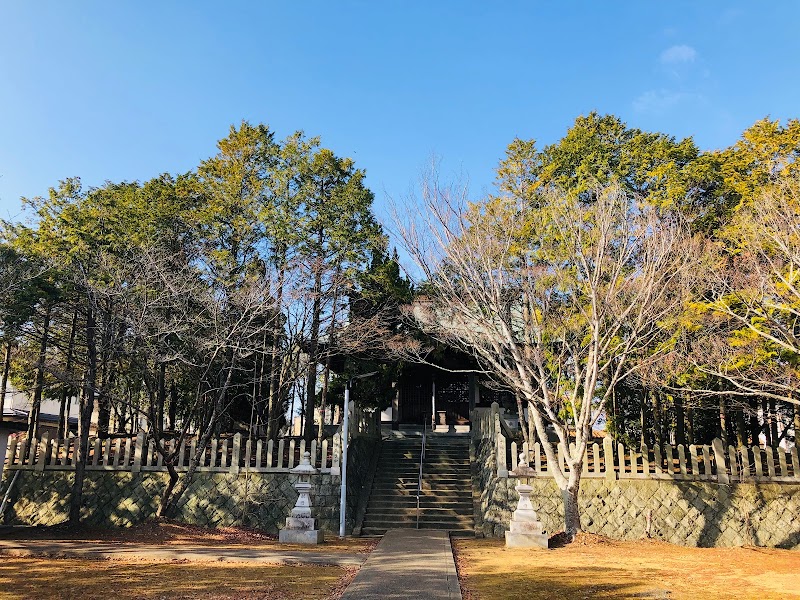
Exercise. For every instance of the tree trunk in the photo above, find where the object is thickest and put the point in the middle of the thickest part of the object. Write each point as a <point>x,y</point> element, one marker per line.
<point>103,400</point>
<point>323,400</point>
<point>655,397</point>
<point>642,420</point>
<point>773,422</point>
<point>311,381</point>
<point>523,424</point>
<point>168,490</point>
<point>723,421</point>
<point>680,421</point>
<point>173,403</point>
<point>327,372</point>
<point>619,423</point>
<point>572,518</point>
<point>273,366</point>
<point>4,382</point>
<point>177,486</point>
<point>161,399</point>
<point>755,425</point>
<point>741,429</point>
<point>690,425</point>
<point>796,425</point>
<point>33,417</point>
<point>84,422</point>
<point>69,388</point>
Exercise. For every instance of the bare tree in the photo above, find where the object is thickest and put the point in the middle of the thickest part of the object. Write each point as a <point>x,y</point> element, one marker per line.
<point>559,300</point>
<point>176,316</point>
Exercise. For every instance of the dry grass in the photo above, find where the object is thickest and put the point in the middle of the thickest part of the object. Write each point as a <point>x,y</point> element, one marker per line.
<point>73,579</point>
<point>595,567</point>
<point>177,534</point>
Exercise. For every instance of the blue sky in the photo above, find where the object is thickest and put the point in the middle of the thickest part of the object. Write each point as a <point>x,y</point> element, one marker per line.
<point>127,90</point>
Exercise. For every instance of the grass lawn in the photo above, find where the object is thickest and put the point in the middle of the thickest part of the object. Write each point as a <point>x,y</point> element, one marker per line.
<point>595,567</point>
<point>73,579</point>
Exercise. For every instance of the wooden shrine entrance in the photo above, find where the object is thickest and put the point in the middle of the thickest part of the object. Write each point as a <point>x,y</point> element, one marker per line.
<point>424,390</point>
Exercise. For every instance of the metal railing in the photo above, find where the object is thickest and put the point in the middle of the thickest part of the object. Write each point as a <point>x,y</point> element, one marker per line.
<point>421,462</point>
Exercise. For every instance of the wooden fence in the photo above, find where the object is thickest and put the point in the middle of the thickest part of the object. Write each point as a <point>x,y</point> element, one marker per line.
<point>225,454</point>
<point>232,454</point>
<point>711,462</point>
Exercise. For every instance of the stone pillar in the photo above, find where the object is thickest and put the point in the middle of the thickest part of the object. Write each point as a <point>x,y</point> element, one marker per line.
<point>300,524</point>
<point>526,529</point>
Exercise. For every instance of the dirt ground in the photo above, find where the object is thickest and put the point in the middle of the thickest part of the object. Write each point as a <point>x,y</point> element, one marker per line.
<point>595,567</point>
<point>176,534</point>
<point>70,579</point>
<point>129,579</point>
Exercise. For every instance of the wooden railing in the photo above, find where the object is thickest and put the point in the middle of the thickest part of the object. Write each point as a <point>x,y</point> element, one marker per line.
<point>694,462</point>
<point>365,421</point>
<point>231,454</point>
<point>712,462</point>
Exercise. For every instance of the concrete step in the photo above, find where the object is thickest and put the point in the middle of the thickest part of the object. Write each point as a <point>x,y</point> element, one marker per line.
<point>460,471</point>
<point>429,501</point>
<point>435,514</point>
<point>399,521</point>
<point>429,460</point>
<point>389,488</point>
<point>433,495</point>
<point>431,480</point>
<point>450,443</point>
<point>423,524</point>
<point>379,531</point>
<point>426,464</point>
<point>385,505</point>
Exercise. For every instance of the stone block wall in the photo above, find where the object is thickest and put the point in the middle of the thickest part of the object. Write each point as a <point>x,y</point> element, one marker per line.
<point>691,513</point>
<point>360,463</point>
<point>116,498</point>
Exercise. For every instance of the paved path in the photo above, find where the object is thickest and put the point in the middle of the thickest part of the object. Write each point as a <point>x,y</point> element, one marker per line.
<point>131,551</point>
<point>408,563</point>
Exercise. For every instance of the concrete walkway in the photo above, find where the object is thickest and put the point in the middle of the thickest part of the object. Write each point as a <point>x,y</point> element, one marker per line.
<point>132,551</point>
<point>408,563</point>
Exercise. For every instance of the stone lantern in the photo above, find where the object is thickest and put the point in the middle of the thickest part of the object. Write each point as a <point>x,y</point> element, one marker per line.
<point>300,525</point>
<point>526,529</point>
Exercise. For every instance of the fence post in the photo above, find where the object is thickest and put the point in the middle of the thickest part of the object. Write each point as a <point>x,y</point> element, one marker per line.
<point>137,453</point>
<point>645,461</point>
<point>595,458</point>
<point>248,453</point>
<point>236,453</point>
<point>502,465</point>
<point>734,465</point>
<point>608,459</point>
<point>44,446</point>
<point>514,457</point>
<point>336,459</point>
<point>782,461</point>
<point>719,459</point>
<point>695,463</point>
<point>12,453</point>
<point>770,454</point>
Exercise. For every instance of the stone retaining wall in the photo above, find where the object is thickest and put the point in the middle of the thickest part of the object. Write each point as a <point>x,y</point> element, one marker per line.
<point>214,499</point>
<point>690,513</point>
<point>259,500</point>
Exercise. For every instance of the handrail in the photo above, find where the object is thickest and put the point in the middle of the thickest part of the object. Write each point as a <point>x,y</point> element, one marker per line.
<point>421,461</point>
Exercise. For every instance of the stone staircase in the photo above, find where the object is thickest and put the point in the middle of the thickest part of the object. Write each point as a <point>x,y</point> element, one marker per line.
<point>446,497</point>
